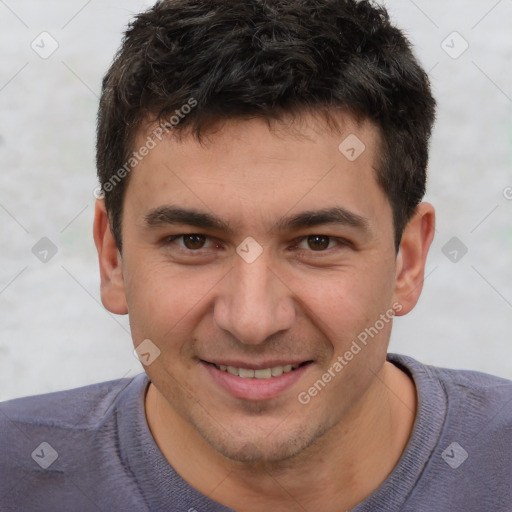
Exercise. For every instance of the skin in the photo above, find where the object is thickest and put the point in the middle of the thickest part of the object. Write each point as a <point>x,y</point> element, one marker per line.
<point>299,300</point>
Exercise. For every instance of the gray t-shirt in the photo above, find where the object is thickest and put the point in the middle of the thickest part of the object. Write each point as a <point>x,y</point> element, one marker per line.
<point>90,449</point>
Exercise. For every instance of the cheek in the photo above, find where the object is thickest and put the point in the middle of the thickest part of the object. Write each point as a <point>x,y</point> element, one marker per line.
<point>163,302</point>
<point>345,302</point>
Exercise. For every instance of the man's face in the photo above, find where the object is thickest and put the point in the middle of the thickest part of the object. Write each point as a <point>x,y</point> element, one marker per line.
<point>258,250</point>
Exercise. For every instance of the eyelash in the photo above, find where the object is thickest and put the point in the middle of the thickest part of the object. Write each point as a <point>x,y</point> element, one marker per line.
<point>170,239</point>
<point>340,241</point>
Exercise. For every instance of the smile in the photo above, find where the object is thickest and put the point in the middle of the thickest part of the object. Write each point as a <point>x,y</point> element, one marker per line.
<point>265,373</point>
<point>266,381</point>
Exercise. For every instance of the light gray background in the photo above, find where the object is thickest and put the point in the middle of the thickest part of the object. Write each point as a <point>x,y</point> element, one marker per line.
<point>54,332</point>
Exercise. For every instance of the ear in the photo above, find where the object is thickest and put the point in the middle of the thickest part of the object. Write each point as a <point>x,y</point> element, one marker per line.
<point>412,256</point>
<point>111,264</point>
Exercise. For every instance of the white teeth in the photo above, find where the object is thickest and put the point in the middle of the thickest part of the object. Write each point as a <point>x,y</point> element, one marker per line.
<point>265,373</point>
<point>232,370</point>
<point>245,373</point>
<point>276,371</point>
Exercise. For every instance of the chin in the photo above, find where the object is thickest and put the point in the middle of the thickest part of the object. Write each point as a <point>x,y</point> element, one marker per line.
<point>252,446</point>
<point>259,452</point>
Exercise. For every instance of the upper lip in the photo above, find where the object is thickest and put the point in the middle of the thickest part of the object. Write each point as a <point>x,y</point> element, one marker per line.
<point>237,363</point>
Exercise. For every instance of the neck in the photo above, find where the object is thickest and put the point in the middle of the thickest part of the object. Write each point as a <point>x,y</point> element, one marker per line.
<point>337,472</point>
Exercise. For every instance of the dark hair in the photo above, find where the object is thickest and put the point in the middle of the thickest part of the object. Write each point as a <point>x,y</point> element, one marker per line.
<point>268,59</point>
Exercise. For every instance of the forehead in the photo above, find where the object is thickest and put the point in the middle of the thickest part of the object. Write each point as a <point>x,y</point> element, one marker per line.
<point>248,169</point>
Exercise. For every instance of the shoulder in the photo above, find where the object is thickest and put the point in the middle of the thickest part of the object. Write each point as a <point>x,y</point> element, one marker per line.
<point>52,446</point>
<point>469,388</point>
<point>79,408</point>
<point>475,391</point>
<point>477,407</point>
<point>465,421</point>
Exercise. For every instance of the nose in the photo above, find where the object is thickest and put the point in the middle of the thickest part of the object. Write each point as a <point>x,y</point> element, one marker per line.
<point>253,303</point>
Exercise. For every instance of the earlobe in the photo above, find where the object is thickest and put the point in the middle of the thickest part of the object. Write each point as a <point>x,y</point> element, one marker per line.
<point>412,256</point>
<point>111,265</point>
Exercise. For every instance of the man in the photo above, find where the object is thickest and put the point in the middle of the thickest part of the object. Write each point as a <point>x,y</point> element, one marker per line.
<point>263,165</point>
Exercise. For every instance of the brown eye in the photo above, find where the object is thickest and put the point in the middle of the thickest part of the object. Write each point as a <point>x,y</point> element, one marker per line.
<point>194,241</point>
<point>318,242</point>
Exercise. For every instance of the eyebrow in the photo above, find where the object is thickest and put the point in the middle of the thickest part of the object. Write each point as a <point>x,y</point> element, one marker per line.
<point>164,215</point>
<point>172,215</point>
<point>312,218</point>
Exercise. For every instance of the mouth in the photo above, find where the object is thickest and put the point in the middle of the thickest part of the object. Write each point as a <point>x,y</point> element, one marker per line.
<point>259,373</point>
<point>255,382</point>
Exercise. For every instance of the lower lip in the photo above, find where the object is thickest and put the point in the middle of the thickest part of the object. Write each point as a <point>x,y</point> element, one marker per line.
<point>254,389</point>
